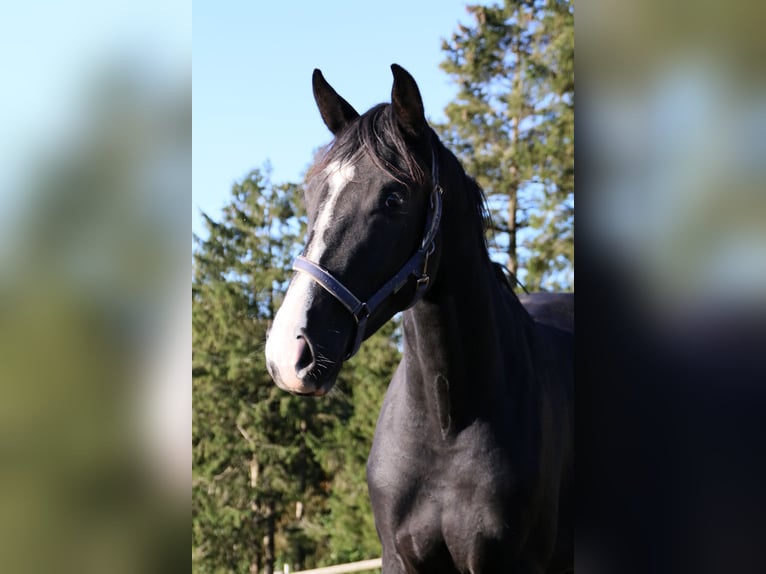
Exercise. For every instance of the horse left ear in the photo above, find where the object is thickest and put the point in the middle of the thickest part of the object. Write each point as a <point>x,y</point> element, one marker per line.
<point>407,104</point>
<point>336,112</point>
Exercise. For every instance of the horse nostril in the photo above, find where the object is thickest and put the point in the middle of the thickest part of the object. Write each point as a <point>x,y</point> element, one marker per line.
<point>305,357</point>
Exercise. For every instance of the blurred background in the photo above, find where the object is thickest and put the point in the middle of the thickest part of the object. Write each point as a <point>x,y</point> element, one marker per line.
<point>671,159</point>
<point>95,177</point>
<point>674,123</point>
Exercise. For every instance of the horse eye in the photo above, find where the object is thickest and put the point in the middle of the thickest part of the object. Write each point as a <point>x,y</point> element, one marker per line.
<point>394,200</point>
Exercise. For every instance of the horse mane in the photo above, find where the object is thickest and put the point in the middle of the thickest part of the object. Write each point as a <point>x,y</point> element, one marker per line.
<point>476,197</point>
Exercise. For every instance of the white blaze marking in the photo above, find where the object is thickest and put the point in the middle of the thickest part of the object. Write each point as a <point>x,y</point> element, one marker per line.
<point>338,177</point>
<point>281,346</point>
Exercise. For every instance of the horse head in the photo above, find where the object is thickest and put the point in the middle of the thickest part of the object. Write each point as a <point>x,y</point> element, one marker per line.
<point>374,205</point>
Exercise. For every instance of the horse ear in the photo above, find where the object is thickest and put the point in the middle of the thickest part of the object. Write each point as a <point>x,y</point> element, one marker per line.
<point>407,103</point>
<point>336,112</point>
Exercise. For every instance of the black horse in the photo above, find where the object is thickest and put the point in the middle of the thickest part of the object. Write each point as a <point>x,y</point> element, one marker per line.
<point>471,465</point>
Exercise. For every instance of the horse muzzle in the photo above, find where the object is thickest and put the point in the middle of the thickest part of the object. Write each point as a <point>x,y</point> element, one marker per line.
<point>305,377</point>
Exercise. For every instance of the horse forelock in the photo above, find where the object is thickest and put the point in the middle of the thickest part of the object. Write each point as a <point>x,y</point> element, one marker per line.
<point>376,135</point>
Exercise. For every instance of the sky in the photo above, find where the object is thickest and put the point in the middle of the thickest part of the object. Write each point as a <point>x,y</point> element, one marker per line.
<point>252,67</point>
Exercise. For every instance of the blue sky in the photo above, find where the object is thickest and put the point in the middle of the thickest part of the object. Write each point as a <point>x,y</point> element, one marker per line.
<point>252,66</point>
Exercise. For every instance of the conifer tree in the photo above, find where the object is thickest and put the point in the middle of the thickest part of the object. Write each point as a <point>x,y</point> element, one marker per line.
<point>276,478</point>
<point>512,124</point>
<point>252,466</point>
<point>363,381</point>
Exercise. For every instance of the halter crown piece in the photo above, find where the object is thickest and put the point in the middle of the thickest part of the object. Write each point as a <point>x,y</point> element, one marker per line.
<point>416,266</point>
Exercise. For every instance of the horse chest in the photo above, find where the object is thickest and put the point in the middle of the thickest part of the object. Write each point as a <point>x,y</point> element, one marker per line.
<point>445,507</point>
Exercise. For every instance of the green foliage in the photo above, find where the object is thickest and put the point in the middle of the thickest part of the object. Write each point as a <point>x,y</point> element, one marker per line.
<point>276,478</point>
<point>247,438</point>
<point>363,381</point>
<point>512,125</point>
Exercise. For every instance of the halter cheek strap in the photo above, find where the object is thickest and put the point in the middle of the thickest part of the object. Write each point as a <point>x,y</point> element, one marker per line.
<point>416,267</point>
<point>359,310</point>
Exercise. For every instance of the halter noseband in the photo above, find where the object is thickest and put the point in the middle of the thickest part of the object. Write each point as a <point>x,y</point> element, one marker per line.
<point>416,266</point>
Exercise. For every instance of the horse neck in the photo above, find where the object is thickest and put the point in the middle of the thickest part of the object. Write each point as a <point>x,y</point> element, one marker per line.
<point>457,340</point>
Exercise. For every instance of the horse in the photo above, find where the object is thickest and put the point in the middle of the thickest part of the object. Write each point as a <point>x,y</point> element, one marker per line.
<point>471,465</point>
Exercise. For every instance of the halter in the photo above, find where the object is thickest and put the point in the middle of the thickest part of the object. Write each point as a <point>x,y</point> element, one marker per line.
<point>416,266</point>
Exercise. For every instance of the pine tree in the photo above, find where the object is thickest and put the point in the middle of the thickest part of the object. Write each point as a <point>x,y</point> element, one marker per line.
<point>551,248</point>
<point>252,465</point>
<point>277,478</point>
<point>363,381</point>
<point>512,126</point>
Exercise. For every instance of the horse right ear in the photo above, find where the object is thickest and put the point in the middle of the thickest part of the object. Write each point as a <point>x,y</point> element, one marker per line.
<point>407,104</point>
<point>336,112</point>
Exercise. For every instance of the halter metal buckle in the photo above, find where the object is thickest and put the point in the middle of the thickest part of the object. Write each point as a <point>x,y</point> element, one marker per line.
<point>431,249</point>
<point>361,314</point>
